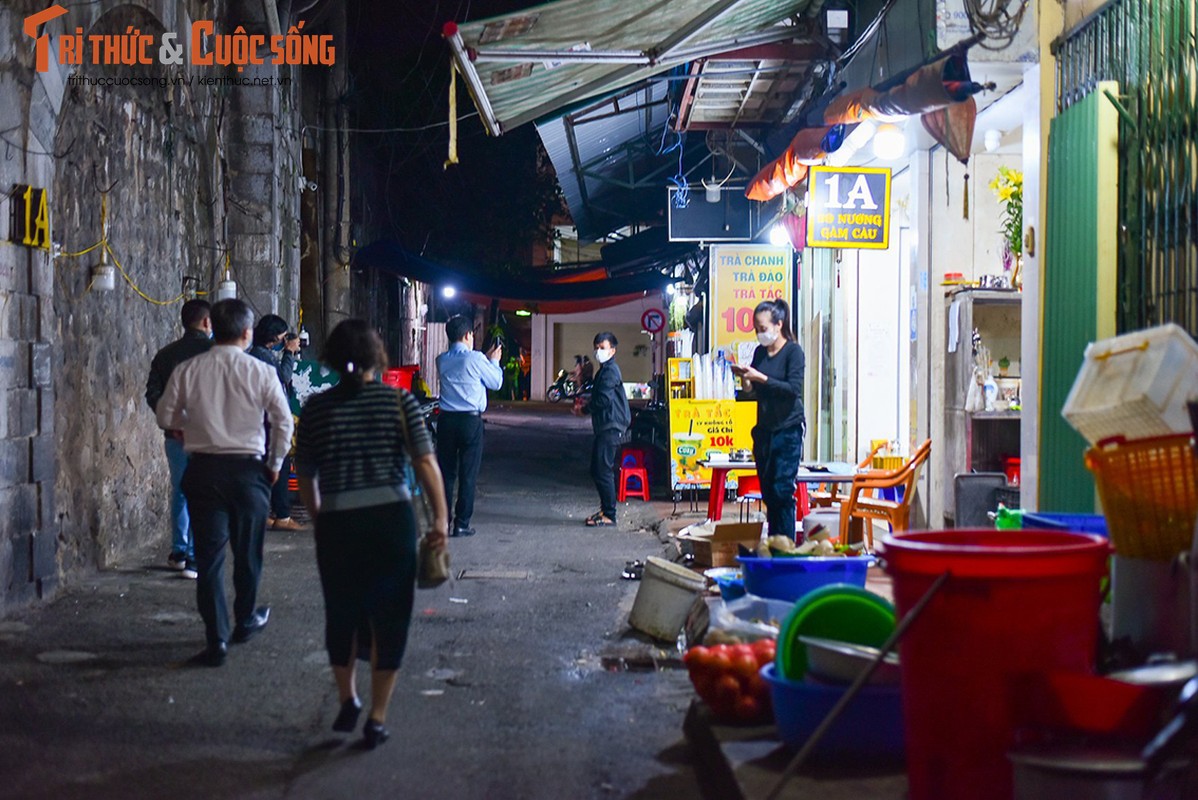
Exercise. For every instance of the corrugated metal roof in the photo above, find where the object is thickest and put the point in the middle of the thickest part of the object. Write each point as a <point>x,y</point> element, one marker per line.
<point>522,66</point>
<point>605,156</point>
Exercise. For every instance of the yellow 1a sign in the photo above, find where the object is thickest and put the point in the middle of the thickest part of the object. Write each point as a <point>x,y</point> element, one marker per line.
<point>848,207</point>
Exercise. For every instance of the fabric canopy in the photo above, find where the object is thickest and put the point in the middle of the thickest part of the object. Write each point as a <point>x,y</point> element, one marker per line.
<point>526,65</point>
<point>389,256</point>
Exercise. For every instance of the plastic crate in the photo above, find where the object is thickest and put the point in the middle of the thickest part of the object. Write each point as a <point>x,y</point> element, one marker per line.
<point>1134,385</point>
<point>1007,496</point>
<point>789,578</point>
<point>1076,523</point>
<point>1147,492</point>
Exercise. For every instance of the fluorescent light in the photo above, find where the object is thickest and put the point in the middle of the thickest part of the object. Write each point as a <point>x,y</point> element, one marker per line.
<point>523,312</point>
<point>852,143</point>
<point>448,292</point>
<point>889,142</point>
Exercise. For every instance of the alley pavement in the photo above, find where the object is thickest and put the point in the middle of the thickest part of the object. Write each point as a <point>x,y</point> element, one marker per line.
<point>504,693</point>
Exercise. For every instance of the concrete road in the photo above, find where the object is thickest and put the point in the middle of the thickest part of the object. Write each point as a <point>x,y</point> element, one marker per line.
<point>503,694</point>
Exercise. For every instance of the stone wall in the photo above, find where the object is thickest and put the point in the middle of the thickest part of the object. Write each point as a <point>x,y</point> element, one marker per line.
<point>185,173</point>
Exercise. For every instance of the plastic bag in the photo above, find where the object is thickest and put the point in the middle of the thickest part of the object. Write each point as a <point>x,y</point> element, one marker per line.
<point>746,618</point>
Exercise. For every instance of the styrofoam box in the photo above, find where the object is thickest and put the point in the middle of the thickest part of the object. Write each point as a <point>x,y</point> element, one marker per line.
<point>1135,385</point>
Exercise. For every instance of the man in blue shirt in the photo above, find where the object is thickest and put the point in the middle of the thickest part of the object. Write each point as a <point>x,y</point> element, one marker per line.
<point>464,375</point>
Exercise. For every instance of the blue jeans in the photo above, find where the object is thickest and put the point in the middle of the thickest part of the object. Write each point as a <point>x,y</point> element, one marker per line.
<point>182,543</point>
<point>778,455</point>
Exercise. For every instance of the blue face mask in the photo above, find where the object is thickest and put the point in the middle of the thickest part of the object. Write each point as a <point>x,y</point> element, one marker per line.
<point>277,347</point>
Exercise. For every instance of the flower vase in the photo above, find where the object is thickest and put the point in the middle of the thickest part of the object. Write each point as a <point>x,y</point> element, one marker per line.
<point>1017,274</point>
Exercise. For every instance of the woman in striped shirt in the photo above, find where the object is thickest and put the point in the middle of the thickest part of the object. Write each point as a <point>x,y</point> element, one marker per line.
<point>351,451</point>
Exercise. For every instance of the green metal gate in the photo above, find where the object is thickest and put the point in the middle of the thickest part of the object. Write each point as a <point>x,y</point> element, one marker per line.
<point>1078,287</point>
<point>1148,47</point>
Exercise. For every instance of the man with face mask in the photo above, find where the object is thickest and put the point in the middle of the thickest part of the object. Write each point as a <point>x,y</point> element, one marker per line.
<point>610,417</point>
<point>273,345</point>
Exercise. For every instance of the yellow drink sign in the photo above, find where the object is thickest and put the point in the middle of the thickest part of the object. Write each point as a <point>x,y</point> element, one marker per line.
<point>741,277</point>
<point>699,428</point>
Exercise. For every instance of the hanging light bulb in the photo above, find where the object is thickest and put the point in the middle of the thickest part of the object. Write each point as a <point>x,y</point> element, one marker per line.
<point>889,142</point>
<point>226,290</point>
<point>103,274</point>
<point>448,292</point>
<point>778,235</point>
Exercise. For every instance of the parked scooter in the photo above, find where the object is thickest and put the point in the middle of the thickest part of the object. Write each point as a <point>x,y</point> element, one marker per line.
<point>563,388</point>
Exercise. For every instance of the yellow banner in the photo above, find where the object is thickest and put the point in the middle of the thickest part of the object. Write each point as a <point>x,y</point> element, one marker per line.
<point>698,427</point>
<point>742,275</point>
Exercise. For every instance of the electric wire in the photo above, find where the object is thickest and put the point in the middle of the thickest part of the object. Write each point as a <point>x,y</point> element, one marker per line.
<point>995,20</point>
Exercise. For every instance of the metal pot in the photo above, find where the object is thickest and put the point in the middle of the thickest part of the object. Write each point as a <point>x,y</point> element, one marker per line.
<point>1055,772</point>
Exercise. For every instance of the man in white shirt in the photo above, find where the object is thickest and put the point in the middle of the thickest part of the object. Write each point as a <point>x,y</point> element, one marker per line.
<point>218,399</point>
<point>465,376</point>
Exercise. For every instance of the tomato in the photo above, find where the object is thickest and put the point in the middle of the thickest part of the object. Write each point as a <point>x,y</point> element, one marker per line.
<point>720,662</point>
<point>726,690</point>
<point>757,687</point>
<point>695,654</point>
<point>748,708</point>
<point>744,666</point>
<point>741,650</point>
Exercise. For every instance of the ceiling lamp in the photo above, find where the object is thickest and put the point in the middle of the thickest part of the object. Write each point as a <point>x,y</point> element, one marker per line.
<point>889,142</point>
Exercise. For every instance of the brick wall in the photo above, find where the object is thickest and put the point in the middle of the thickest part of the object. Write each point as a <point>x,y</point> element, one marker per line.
<point>186,171</point>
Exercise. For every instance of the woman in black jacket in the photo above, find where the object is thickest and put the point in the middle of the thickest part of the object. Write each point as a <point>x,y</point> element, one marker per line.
<point>775,379</point>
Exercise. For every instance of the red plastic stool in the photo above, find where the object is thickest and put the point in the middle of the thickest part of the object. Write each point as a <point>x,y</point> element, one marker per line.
<point>632,465</point>
<point>802,502</point>
<point>641,491</point>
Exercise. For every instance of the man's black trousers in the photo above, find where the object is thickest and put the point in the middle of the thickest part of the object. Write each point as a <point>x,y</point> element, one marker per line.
<point>228,498</point>
<point>460,453</point>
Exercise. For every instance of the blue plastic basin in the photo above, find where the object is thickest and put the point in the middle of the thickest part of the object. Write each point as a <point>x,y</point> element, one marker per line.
<point>871,725</point>
<point>731,586</point>
<point>791,578</point>
<point>1076,523</point>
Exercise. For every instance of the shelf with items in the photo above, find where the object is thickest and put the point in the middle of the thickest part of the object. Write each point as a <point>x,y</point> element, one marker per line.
<point>982,383</point>
<point>680,381</point>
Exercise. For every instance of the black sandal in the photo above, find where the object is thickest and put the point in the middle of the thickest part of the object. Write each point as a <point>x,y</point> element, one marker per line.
<point>599,521</point>
<point>633,570</point>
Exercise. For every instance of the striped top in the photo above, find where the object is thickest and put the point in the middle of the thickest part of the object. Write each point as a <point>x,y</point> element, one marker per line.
<point>351,439</point>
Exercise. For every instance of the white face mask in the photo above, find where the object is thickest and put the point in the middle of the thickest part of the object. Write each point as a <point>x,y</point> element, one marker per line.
<point>766,338</point>
<point>603,356</point>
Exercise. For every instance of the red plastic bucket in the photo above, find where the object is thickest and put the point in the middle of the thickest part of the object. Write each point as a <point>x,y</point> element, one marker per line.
<point>1018,602</point>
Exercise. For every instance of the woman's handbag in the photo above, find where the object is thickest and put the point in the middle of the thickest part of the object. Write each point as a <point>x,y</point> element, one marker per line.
<point>432,566</point>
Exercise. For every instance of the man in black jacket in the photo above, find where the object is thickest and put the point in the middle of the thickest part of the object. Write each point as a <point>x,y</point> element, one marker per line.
<point>610,417</point>
<point>196,339</point>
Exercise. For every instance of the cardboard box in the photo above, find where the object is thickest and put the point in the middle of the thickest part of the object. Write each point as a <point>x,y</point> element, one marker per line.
<point>720,548</point>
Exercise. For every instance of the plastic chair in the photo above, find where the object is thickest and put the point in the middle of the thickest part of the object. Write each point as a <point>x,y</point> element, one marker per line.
<point>802,501</point>
<point>632,465</point>
<point>748,490</point>
<point>826,496</point>
<point>858,504</point>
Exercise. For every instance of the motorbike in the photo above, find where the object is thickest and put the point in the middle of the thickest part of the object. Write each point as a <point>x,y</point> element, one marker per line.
<point>430,411</point>
<point>563,388</point>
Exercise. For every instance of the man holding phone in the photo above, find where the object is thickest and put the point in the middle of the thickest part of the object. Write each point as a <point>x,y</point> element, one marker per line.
<point>464,375</point>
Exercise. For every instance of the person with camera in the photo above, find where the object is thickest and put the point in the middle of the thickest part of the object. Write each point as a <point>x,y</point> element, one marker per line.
<point>610,418</point>
<point>464,375</point>
<point>275,345</point>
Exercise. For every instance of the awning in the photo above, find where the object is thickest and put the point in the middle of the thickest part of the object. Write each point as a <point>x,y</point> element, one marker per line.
<point>526,65</point>
<point>389,256</point>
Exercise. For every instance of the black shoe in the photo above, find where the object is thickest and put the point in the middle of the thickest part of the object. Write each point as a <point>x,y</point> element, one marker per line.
<point>253,626</point>
<point>213,655</point>
<point>463,532</point>
<point>374,734</point>
<point>347,720</point>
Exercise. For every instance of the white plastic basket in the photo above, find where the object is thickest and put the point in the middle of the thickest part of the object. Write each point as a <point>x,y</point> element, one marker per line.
<point>1135,385</point>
